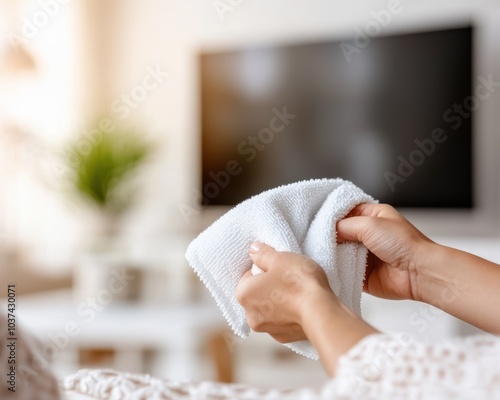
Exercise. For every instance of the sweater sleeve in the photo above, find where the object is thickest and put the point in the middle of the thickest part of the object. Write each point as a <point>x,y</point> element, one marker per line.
<point>381,366</point>
<point>396,366</point>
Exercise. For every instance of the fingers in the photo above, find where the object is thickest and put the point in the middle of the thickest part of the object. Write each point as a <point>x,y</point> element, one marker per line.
<point>371,210</point>
<point>352,229</point>
<point>263,256</point>
<point>364,209</point>
<point>247,275</point>
<point>244,288</point>
<point>356,225</point>
<point>257,251</point>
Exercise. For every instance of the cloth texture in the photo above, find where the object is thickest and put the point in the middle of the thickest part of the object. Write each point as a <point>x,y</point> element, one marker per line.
<point>300,217</point>
<point>381,366</point>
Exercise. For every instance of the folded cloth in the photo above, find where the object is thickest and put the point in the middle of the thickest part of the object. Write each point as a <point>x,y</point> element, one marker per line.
<point>300,217</point>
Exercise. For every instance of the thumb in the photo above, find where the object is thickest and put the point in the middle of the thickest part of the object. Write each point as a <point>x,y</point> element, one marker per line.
<point>352,229</point>
<point>263,255</point>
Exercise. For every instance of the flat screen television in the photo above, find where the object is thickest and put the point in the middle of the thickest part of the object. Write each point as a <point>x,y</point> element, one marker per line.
<point>394,119</point>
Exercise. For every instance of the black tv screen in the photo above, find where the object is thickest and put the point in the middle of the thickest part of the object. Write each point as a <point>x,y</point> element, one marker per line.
<point>394,117</point>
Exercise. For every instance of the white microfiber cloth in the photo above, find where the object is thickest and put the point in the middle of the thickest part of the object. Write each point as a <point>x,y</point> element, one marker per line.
<point>300,217</point>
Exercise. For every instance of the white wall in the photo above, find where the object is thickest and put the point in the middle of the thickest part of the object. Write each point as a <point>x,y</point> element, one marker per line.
<point>37,113</point>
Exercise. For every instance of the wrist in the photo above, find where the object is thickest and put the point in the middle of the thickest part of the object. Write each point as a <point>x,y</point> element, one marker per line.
<point>314,302</point>
<point>332,328</point>
<point>430,276</point>
<point>460,284</point>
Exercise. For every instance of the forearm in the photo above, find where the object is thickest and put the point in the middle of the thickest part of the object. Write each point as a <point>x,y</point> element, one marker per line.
<point>332,329</point>
<point>461,284</point>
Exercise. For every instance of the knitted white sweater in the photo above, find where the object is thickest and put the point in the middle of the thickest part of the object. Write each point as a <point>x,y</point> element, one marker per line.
<point>381,366</point>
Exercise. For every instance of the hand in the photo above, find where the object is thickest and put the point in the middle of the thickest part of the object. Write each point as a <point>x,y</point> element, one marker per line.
<point>396,249</point>
<point>292,300</point>
<point>275,301</point>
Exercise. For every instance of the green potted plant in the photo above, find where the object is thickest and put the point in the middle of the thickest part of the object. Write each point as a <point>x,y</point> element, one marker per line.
<point>103,172</point>
<point>103,177</point>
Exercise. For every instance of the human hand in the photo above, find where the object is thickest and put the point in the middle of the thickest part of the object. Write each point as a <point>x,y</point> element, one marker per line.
<point>292,300</point>
<point>276,300</point>
<point>396,249</point>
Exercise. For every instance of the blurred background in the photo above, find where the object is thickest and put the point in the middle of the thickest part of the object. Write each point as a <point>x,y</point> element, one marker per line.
<point>119,120</point>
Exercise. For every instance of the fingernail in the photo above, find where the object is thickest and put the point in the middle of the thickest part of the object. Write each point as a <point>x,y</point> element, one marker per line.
<point>255,247</point>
